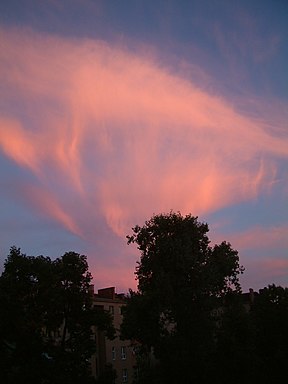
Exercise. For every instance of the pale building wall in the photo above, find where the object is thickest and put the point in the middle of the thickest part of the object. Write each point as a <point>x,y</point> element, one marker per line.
<point>119,353</point>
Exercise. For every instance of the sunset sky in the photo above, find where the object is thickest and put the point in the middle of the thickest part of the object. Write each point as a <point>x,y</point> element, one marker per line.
<point>114,110</point>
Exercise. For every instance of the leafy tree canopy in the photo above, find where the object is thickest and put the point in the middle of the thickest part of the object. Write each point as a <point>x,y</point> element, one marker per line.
<point>269,315</point>
<point>181,278</point>
<point>46,319</point>
<point>177,260</point>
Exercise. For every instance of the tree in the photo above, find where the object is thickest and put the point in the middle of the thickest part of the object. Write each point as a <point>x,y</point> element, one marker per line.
<point>47,319</point>
<point>23,287</point>
<point>253,339</point>
<point>235,347</point>
<point>269,315</point>
<point>108,376</point>
<point>181,278</point>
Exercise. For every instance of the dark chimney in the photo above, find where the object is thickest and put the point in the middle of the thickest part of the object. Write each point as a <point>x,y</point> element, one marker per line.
<point>107,293</point>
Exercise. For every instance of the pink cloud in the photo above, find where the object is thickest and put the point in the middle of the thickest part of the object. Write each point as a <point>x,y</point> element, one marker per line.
<point>259,237</point>
<point>47,203</point>
<point>261,273</point>
<point>123,136</point>
<point>14,139</point>
<point>278,265</point>
<point>106,276</point>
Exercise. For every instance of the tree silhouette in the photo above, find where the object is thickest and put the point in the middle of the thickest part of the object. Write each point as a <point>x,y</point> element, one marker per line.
<point>181,279</point>
<point>46,319</point>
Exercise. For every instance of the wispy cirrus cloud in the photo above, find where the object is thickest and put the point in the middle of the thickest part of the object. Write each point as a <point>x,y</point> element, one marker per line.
<point>263,252</point>
<point>101,116</point>
<point>115,134</point>
<point>270,270</point>
<point>260,237</point>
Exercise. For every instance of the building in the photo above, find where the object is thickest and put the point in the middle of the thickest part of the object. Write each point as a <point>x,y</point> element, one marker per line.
<point>118,354</point>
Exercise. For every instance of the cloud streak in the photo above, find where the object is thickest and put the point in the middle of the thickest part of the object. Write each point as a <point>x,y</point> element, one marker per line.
<point>259,237</point>
<point>271,270</point>
<point>114,134</point>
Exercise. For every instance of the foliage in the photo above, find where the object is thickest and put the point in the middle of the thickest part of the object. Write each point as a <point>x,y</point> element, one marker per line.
<point>181,278</point>
<point>235,350</point>
<point>253,338</point>
<point>46,319</point>
<point>108,376</point>
<point>269,315</point>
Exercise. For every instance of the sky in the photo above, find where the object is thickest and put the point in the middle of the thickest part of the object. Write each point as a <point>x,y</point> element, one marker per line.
<point>112,111</point>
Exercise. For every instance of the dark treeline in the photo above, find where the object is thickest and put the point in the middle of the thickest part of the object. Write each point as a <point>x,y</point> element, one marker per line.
<point>189,317</point>
<point>190,311</point>
<point>46,319</point>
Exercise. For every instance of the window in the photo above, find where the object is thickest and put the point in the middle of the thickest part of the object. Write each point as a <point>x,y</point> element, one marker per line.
<point>136,373</point>
<point>123,353</point>
<point>111,309</point>
<point>113,353</point>
<point>124,375</point>
<point>121,310</point>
